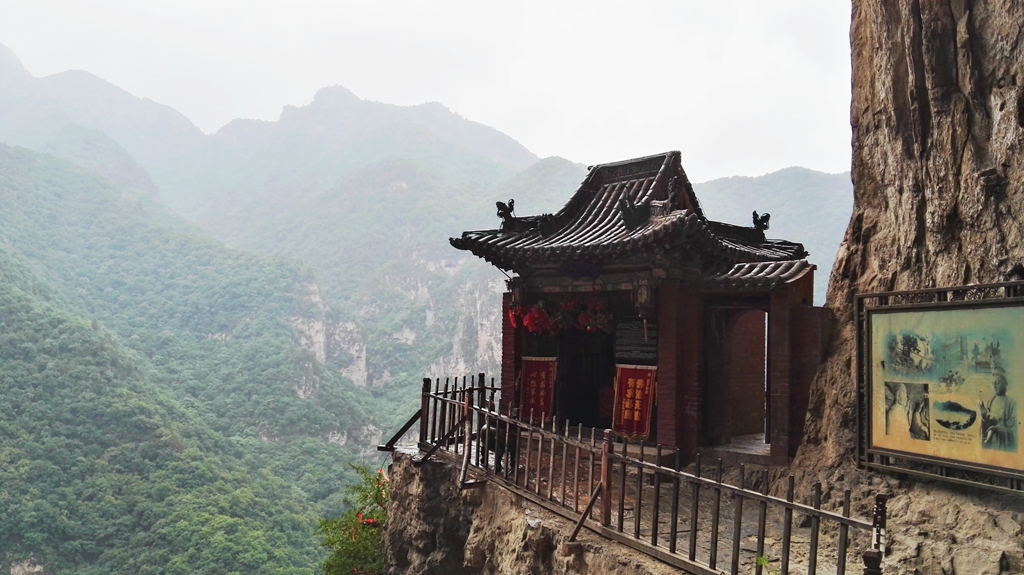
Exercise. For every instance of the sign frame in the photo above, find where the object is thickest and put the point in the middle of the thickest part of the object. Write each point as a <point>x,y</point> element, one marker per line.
<point>874,308</point>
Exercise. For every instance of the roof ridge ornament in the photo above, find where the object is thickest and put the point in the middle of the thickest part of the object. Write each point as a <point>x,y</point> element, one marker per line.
<point>668,205</point>
<point>634,216</point>
<point>761,222</point>
<point>510,222</point>
<point>506,212</point>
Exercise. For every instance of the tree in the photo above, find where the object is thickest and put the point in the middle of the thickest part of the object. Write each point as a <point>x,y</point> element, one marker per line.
<point>354,538</point>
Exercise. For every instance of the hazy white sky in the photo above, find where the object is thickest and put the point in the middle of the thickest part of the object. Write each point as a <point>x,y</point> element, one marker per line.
<point>741,87</point>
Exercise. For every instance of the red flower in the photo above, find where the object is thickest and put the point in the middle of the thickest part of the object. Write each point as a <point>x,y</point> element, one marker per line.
<point>537,320</point>
<point>583,320</point>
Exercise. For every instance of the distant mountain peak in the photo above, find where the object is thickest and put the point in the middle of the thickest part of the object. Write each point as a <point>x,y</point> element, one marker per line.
<point>10,64</point>
<point>335,95</point>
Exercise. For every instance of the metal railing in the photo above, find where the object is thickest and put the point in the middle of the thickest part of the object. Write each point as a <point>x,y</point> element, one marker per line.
<point>638,494</point>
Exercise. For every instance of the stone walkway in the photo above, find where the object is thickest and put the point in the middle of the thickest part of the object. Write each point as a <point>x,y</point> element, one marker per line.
<point>801,525</point>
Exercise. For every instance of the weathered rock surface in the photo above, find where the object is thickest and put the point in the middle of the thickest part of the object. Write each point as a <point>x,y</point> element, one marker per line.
<point>433,528</point>
<point>938,128</point>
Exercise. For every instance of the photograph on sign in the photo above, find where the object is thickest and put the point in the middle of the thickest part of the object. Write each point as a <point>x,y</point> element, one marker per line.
<point>946,383</point>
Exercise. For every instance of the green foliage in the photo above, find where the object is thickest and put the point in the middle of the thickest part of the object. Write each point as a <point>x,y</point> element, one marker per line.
<point>149,418</point>
<point>104,473</point>
<point>765,563</point>
<point>211,325</point>
<point>354,538</point>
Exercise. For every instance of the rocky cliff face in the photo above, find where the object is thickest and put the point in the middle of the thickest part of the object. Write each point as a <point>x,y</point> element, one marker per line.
<point>938,126</point>
<point>433,528</point>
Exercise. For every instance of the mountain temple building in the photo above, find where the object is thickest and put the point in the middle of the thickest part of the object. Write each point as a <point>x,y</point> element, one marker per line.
<point>629,309</point>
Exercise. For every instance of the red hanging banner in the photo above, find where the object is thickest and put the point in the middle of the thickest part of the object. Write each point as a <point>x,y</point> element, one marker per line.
<point>634,398</point>
<point>538,387</point>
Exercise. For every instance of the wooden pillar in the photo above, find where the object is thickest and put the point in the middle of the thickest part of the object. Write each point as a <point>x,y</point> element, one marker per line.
<point>669,399</point>
<point>690,351</point>
<point>509,355</point>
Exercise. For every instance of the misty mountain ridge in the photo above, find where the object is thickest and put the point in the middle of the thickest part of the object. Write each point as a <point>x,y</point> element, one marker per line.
<point>341,182</point>
<point>251,169</point>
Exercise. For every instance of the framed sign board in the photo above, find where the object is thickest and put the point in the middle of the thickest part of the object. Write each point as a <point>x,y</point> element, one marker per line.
<point>941,382</point>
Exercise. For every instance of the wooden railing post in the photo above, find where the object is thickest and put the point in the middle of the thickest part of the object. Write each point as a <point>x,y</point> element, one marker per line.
<point>481,398</point>
<point>424,410</point>
<point>873,562</point>
<point>878,522</point>
<point>481,403</point>
<point>873,556</point>
<point>467,416</point>
<point>606,478</point>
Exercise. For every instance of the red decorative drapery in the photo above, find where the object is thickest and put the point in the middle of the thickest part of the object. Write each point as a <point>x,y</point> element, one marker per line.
<point>547,318</point>
<point>634,399</point>
<point>538,387</point>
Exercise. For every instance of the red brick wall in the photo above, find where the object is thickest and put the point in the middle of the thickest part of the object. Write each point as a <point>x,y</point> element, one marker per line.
<point>811,326</point>
<point>780,347</point>
<point>804,289</point>
<point>744,374</point>
<point>793,355</point>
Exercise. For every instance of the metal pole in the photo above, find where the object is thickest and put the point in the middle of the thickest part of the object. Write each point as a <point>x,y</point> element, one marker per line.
<point>424,409</point>
<point>606,479</point>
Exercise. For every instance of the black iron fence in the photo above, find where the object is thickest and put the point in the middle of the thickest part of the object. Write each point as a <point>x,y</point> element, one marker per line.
<point>706,521</point>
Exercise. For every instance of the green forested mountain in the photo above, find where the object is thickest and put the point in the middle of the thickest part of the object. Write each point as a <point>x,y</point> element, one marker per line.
<point>103,472</point>
<point>378,243</point>
<point>309,186</point>
<point>213,323</point>
<point>135,353</point>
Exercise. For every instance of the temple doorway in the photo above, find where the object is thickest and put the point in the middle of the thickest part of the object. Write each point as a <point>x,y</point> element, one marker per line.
<point>737,403</point>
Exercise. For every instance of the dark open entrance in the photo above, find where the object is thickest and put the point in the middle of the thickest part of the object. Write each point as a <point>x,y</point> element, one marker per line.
<point>737,383</point>
<point>584,388</point>
<point>586,371</point>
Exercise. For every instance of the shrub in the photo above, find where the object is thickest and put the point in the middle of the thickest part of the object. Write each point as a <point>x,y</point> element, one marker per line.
<point>354,538</point>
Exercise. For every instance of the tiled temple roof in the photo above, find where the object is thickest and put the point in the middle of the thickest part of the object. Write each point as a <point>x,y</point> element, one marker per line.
<point>754,276</point>
<point>592,226</point>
